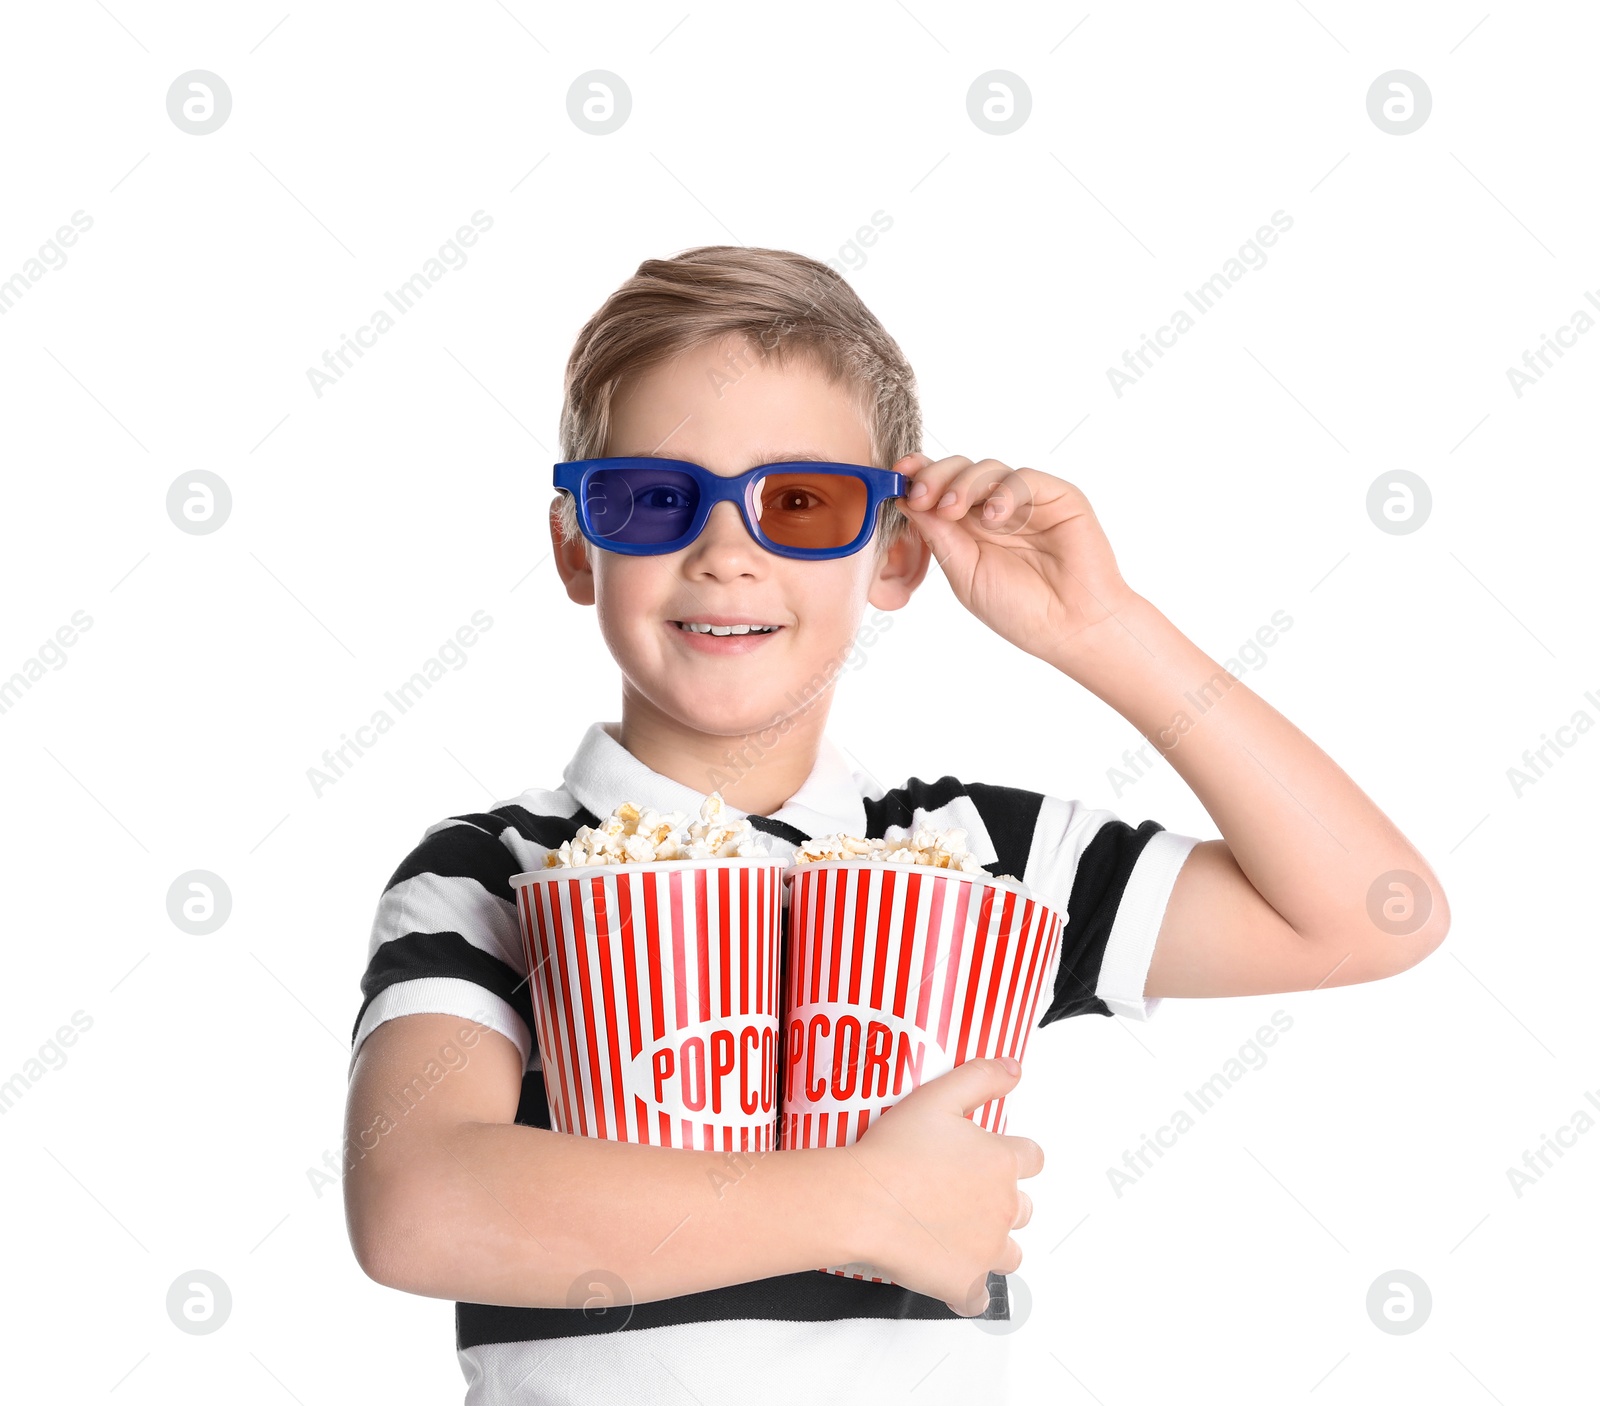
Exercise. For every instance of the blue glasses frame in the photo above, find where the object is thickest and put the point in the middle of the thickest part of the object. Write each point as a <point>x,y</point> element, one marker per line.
<point>574,477</point>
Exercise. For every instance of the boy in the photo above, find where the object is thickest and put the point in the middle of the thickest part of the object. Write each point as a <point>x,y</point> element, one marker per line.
<point>588,1270</point>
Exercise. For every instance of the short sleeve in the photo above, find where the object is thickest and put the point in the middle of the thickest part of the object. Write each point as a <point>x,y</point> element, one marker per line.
<point>446,938</point>
<point>1114,880</point>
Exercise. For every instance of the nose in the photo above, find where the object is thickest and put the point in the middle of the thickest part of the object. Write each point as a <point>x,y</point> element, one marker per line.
<point>724,547</point>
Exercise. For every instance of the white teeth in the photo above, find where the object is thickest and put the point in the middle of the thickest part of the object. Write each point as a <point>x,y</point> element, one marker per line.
<point>727,629</point>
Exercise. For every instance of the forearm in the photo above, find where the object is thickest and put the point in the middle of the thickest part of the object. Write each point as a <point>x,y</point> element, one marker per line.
<point>1309,839</point>
<point>500,1213</point>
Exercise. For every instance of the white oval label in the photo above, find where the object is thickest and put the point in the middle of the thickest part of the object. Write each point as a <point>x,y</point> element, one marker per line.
<point>840,1058</point>
<point>710,1072</point>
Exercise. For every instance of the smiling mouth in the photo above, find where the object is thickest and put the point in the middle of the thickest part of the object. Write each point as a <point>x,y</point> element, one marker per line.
<point>723,631</point>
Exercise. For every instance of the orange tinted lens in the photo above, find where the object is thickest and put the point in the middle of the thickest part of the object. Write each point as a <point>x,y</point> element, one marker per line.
<point>814,510</point>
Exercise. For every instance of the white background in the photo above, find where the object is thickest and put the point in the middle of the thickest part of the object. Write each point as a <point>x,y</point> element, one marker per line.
<point>370,523</point>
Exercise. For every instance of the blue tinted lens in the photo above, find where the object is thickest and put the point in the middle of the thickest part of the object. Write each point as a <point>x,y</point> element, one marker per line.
<point>641,507</point>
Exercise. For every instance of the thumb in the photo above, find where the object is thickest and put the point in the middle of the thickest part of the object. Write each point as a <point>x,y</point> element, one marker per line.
<point>948,540</point>
<point>972,1084</point>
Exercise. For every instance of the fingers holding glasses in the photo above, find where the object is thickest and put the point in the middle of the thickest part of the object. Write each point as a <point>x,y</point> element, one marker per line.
<point>929,478</point>
<point>953,486</point>
<point>975,486</point>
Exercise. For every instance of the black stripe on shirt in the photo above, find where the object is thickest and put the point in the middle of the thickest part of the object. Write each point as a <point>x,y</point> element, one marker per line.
<point>1009,814</point>
<point>1097,889</point>
<point>471,848</point>
<point>458,851</point>
<point>897,807</point>
<point>546,830</point>
<point>442,954</point>
<point>810,1296</point>
<point>467,849</point>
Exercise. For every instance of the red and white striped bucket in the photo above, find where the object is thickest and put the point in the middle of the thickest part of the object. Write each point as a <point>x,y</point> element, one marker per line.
<point>896,973</point>
<point>655,991</point>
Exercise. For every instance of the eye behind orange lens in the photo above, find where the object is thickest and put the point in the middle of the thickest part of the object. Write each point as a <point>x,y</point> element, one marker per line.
<point>811,510</point>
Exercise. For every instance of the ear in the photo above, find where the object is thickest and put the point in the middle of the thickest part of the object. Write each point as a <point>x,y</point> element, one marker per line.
<point>572,559</point>
<point>900,571</point>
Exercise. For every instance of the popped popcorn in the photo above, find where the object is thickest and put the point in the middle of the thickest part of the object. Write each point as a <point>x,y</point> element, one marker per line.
<point>639,834</point>
<point>940,849</point>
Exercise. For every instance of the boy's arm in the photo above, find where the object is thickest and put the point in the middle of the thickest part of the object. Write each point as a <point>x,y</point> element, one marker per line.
<point>454,1200</point>
<point>1311,884</point>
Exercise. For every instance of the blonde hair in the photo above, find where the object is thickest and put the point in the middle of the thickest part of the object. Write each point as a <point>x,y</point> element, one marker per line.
<point>784,305</point>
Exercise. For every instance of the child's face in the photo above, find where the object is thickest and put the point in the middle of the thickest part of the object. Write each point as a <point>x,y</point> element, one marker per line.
<point>730,416</point>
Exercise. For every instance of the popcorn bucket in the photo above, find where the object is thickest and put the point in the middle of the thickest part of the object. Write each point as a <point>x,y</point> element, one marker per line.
<point>655,992</point>
<point>895,974</point>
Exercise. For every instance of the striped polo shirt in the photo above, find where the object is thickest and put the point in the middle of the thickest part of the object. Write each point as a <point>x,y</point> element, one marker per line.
<point>446,939</point>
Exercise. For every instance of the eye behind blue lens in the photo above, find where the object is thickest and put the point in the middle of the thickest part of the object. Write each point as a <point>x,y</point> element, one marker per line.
<point>641,506</point>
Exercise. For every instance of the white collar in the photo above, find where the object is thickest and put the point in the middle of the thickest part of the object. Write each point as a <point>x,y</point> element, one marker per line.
<point>603,774</point>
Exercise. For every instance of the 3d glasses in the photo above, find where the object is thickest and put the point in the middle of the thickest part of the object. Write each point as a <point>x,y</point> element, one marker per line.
<point>644,506</point>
